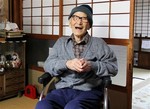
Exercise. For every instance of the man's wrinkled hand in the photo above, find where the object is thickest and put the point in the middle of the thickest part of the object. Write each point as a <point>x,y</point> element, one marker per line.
<point>79,65</point>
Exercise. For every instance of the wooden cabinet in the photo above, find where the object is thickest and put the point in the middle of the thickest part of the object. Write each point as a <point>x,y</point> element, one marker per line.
<point>12,79</point>
<point>1,85</point>
<point>141,54</point>
<point>144,60</point>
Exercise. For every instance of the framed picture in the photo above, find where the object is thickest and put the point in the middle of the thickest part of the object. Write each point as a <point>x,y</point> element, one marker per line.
<point>4,10</point>
<point>1,7</point>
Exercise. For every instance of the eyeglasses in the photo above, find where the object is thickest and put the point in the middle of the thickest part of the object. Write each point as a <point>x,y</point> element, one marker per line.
<point>77,18</point>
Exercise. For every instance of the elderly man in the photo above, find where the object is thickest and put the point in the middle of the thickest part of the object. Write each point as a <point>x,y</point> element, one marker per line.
<point>80,61</point>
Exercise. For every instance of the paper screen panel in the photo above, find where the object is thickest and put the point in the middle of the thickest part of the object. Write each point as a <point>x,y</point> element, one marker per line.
<point>26,3</point>
<point>101,8</point>
<point>120,7</point>
<point>47,2</point>
<point>100,32</point>
<point>47,20</point>
<point>27,20</point>
<point>56,29</point>
<point>69,2</point>
<point>121,54</point>
<point>47,11</point>
<point>27,29</point>
<point>36,29</point>
<point>84,1</point>
<point>47,30</point>
<point>119,32</point>
<point>36,20</point>
<point>36,3</point>
<point>27,12</point>
<point>120,20</point>
<point>101,20</point>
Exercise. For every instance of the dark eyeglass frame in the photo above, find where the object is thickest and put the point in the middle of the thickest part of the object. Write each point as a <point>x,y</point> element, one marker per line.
<point>77,18</point>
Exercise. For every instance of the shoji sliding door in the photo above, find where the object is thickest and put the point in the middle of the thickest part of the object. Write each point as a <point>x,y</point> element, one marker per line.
<point>112,21</point>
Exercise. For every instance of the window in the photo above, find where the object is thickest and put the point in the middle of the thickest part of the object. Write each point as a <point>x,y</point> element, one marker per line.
<point>142,18</point>
<point>41,16</point>
<point>44,17</point>
<point>108,21</point>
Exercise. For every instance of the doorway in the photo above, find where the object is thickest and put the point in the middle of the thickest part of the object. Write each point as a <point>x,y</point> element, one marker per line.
<point>141,69</point>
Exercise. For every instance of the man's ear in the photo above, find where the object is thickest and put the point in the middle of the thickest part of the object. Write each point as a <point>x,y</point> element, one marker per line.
<point>70,23</point>
<point>88,27</point>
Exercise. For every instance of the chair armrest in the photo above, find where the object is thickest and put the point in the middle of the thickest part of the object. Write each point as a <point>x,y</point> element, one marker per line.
<point>44,79</point>
<point>106,81</point>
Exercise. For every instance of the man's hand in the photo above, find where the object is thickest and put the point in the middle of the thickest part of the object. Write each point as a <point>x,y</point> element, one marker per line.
<point>79,65</point>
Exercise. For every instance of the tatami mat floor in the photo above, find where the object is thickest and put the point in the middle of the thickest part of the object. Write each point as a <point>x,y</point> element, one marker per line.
<point>141,89</point>
<point>140,75</point>
<point>18,103</point>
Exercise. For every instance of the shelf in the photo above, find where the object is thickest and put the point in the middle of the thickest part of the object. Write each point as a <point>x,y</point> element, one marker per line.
<point>43,37</point>
<point>13,78</point>
<point>141,56</point>
<point>141,37</point>
<point>3,40</point>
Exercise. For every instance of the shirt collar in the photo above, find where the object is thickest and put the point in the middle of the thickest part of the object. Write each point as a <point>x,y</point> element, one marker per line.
<point>84,40</point>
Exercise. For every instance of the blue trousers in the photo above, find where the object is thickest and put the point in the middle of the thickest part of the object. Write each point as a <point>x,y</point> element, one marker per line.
<point>71,99</point>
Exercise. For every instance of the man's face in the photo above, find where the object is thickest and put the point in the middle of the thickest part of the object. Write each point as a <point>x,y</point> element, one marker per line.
<point>79,24</point>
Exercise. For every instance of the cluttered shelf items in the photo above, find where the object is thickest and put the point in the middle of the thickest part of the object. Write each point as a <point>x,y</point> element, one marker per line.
<point>10,30</point>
